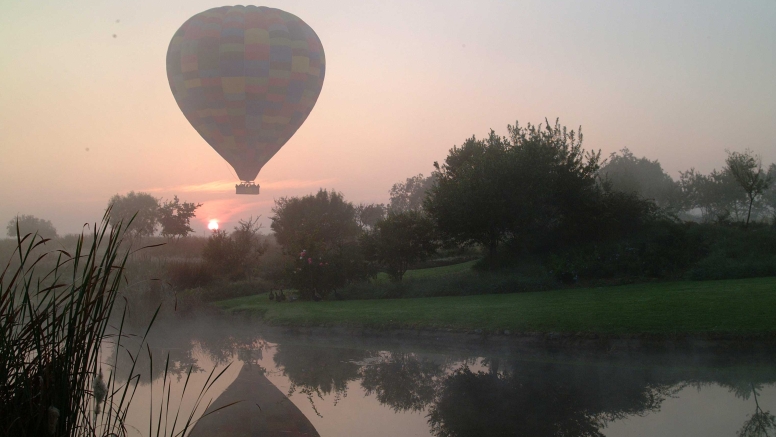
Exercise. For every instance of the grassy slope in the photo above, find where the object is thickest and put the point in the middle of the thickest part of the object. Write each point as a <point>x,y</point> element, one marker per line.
<point>431,272</point>
<point>745,306</point>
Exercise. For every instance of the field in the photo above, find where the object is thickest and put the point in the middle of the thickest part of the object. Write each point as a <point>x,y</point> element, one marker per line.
<point>738,307</point>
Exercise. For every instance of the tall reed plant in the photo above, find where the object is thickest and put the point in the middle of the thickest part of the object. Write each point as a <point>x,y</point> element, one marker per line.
<point>53,324</point>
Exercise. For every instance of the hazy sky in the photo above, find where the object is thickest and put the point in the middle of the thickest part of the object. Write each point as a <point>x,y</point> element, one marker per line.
<point>84,115</point>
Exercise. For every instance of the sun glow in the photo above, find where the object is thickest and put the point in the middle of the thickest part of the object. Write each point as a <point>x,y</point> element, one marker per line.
<point>213,225</point>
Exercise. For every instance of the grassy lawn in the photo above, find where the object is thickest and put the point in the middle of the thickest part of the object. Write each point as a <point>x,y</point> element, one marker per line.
<point>746,306</point>
<point>433,272</point>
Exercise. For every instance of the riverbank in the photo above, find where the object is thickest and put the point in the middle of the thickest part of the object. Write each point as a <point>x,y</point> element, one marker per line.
<point>729,308</point>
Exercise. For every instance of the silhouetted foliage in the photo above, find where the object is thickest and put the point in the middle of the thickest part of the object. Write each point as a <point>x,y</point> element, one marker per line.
<point>400,240</point>
<point>747,170</point>
<point>321,232</point>
<point>646,178</point>
<point>403,381</point>
<point>318,370</point>
<point>769,196</point>
<point>29,224</point>
<point>467,201</point>
<point>143,206</point>
<point>174,217</point>
<point>368,215</point>
<point>760,423</point>
<point>715,194</point>
<point>410,194</point>
<point>536,189</point>
<point>318,223</point>
<point>184,275</point>
<point>235,255</point>
<point>541,400</point>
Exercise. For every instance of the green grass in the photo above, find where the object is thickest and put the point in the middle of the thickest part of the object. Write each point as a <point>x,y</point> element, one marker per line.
<point>440,271</point>
<point>745,306</point>
<point>433,272</point>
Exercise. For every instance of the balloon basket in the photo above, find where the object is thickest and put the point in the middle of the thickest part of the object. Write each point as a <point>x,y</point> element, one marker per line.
<point>247,188</point>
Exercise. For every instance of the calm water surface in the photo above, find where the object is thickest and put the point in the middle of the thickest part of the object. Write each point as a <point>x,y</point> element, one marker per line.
<point>339,386</point>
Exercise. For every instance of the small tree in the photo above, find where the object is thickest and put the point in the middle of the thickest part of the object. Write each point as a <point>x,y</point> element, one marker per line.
<point>248,246</point>
<point>400,240</point>
<point>29,224</point>
<point>746,168</point>
<point>175,217</point>
<point>143,206</point>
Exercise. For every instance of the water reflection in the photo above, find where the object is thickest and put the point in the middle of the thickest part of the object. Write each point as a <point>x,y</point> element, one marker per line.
<point>542,399</point>
<point>403,381</point>
<point>318,371</point>
<point>760,423</point>
<point>457,391</point>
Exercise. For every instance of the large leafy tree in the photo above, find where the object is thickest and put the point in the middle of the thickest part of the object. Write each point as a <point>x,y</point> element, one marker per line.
<point>467,202</point>
<point>142,206</point>
<point>175,217</point>
<point>29,224</point>
<point>537,187</point>
<point>321,232</point>
<point>399,240</point>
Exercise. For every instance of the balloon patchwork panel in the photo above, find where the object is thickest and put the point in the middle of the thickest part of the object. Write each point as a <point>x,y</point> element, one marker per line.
<point>246,78</point>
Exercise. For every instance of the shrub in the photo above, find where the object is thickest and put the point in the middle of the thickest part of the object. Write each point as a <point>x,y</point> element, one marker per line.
<point>183,275</point>
<point>236,255</point>
<point>529,277</point>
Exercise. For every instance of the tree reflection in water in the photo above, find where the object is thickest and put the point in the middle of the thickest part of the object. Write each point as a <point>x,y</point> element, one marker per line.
<point>759,424</point>
<point>540,399</point>
<point>318,371</point>
<point>510,396</point>
<point>536,393</point>
<point>403,381</point>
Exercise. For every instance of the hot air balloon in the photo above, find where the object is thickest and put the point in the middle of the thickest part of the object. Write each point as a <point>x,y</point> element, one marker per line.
<point>246,78</point>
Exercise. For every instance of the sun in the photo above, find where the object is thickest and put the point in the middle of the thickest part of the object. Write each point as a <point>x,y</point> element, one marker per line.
<point>213,225</point>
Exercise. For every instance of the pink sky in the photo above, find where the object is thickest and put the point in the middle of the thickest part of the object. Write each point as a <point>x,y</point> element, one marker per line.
<point>405,81</point>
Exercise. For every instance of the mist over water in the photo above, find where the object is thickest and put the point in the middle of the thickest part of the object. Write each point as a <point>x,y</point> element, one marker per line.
<point>296,384</point>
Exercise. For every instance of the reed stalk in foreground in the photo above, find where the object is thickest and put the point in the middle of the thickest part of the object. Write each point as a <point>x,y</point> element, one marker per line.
<point>52,325</point>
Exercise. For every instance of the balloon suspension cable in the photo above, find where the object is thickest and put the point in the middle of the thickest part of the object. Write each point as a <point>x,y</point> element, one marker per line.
<point>247,187</point>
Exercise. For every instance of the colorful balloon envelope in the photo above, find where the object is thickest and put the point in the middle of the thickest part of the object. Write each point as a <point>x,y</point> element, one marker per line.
<point>246,78</point>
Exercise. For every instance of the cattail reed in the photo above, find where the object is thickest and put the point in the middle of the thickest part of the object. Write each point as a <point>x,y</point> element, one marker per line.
<point>53,321</point>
